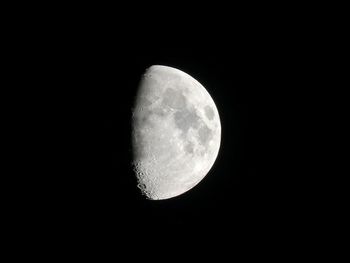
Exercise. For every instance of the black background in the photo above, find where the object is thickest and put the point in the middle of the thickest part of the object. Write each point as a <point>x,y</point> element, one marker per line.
<point>256,186</point>
<point>72,74</point>
<point>261,188</point>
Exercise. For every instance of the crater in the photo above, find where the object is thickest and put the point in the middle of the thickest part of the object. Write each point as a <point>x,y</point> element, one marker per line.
<point>143,101</point>
<point>189,147</point>
<point>174,99</point>
<point>185,119</point>
<point>141,118</point>
<point>204,134</point>
<point>209,112</point>
<point>161,111</point>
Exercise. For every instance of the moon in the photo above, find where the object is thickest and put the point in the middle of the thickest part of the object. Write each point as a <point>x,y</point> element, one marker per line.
<point>176,133</point>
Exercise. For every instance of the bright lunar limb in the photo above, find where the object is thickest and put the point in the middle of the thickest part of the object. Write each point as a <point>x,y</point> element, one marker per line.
<point>176,133</point>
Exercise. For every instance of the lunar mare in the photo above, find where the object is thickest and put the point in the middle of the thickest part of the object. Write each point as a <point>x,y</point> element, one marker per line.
<point>176,133</point>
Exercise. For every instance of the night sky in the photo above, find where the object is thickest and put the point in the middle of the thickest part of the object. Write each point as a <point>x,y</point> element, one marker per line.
<point>78,73</point>
<point>257,188</point>
<point>250,186</point>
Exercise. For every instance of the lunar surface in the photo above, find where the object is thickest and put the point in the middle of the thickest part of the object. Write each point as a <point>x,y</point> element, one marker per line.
<point>176,133</point>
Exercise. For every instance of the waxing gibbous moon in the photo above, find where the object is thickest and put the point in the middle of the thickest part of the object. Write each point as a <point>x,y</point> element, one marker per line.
<point>176,133</point>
